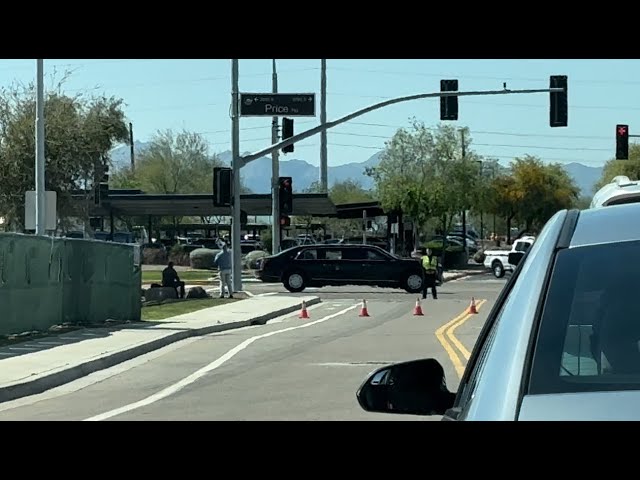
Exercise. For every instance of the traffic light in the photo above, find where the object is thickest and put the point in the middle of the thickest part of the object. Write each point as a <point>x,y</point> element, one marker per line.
<point>244,217</point>
<point>622,142</point>
<point>558,111</point>
<point>285,190</point>
<point>449,105</point>
<point>287,132</point>
<point>105,175</point>
<point>222,186</point>
<point>101,193</point>
<point>285,221</point>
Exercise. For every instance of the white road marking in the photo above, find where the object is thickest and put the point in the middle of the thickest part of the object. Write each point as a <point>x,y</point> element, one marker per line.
<point>194,377</point>
<point>102,375</point>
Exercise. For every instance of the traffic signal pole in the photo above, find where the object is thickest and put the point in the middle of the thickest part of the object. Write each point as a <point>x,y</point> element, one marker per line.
<point>236,163</point>
<point>240,161</point>
<point>321,128</point>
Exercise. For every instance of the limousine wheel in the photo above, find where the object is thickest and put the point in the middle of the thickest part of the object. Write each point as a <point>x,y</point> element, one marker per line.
<point>294,282</point>
<point>413,284</point>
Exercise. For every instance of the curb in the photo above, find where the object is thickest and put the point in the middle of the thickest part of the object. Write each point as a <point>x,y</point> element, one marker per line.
<point>65,375</point>
<point>458,276</point>
<point>204,283</point>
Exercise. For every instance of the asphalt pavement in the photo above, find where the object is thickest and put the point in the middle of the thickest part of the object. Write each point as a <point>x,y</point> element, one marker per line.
<point>289,369</point>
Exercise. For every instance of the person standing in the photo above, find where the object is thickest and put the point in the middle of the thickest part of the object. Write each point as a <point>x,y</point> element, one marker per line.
<point>430,267</point>
<point>223,262</point>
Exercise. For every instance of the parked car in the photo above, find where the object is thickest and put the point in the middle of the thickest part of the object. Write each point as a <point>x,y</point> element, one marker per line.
<point>498,260</point>
<point>560,343</point>
<point>323,265</point>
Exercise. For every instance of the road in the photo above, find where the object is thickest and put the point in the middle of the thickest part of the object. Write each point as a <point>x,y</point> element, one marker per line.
<point>289,369</point>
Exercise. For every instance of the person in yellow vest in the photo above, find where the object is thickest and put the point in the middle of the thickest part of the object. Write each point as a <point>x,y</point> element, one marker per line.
<point>429,266</point>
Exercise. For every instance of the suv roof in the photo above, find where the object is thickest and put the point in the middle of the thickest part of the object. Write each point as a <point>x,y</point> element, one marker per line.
<point>620,190</point>
<point>616,223</point>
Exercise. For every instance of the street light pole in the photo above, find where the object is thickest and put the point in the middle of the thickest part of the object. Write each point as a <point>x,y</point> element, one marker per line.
<point>324,181</point>
<point>236,258</point>
<point>40,157</point>
<point>275,174</point>
<point>481,209</point>
<point>464,204</point>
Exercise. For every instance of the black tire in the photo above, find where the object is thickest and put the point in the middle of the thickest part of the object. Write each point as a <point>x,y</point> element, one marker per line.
<point>498,269</point>
<point>294,281</point>
<point>411,284</point>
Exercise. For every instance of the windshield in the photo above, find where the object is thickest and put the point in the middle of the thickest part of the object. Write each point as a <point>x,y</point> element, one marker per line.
<point>589,338</point>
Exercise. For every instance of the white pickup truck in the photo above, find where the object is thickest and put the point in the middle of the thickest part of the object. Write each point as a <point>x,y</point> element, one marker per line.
<point>498,260</point>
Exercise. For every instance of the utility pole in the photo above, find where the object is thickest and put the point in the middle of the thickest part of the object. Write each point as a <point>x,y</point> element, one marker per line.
<point>464,204</point>
<point>324,182</point>
<point>41,206</point>
<point>236,258</point>
<point>275,174</point>
<point>481,213</point>
<point>132,155</point>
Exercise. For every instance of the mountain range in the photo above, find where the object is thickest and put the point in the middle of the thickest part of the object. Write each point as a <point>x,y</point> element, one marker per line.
<point>257,174</point>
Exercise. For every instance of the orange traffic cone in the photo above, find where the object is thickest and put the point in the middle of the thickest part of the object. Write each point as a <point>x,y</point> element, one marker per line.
<point>417,310</point>
<point>303,312</point>
<point>363,311</point>
<point>472,307</point>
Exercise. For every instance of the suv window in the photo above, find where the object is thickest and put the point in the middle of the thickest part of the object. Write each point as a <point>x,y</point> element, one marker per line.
<point>333,254</point>
<point>308,254</point>
<point>589,338</point>
<point>374,255</point>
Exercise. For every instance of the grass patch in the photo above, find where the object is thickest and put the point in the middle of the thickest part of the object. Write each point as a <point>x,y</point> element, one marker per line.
<point>160,312</point>
<point>151,276</point>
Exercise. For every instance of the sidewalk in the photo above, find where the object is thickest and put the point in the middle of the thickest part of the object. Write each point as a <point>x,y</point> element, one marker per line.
<point>67,357</point>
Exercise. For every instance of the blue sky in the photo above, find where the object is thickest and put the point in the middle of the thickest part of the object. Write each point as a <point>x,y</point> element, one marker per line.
<point>195,94</point>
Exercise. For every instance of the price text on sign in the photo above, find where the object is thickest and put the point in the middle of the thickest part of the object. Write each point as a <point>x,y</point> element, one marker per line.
<point>277,104</point>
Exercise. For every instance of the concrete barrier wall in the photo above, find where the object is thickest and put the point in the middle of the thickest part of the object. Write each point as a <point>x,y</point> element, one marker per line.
<point>47,281</point>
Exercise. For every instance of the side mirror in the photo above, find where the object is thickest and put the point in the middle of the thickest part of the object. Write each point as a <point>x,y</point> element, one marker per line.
<point>515,257</point>
<point>411,388</point>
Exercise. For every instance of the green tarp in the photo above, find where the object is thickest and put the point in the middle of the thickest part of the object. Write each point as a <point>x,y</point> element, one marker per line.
<point>46,281</point>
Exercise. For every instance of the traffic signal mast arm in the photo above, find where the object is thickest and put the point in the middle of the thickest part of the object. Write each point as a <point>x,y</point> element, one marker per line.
<point>320,128</point>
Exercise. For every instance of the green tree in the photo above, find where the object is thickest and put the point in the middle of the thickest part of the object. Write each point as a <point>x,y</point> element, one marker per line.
<point>629,168</point>
<point>424,173</point>
<point>502,199</point>
<point>531,192</point>
<point>80,131</point>
<point>176,163</point>
<point>542,190</point>
<point>173,163</point>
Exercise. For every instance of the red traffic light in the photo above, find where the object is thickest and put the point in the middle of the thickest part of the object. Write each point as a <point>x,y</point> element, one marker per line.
<point>623,130</point>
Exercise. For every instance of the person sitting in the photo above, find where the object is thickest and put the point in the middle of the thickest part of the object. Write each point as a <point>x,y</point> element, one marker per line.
<point>170,278</point>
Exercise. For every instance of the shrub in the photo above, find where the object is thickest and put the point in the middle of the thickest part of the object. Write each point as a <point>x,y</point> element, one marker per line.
<point>154,256</point>
<point>203,258</point>
<point>178,256</point>
<point>251,259</point>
